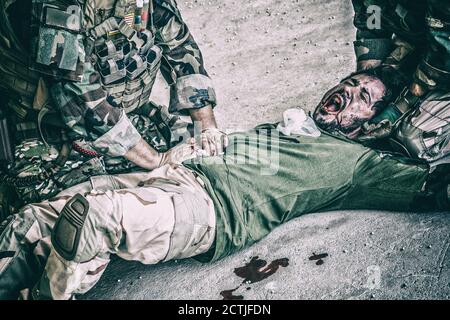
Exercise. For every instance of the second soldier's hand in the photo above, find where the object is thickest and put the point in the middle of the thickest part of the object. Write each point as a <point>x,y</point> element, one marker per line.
<point>180,153</point>
<point>213,141</point>
<point>417,90</point>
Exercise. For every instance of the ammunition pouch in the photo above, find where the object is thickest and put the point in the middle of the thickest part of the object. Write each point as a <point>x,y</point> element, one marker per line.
<point>58,50</point>
<point>127,61</point>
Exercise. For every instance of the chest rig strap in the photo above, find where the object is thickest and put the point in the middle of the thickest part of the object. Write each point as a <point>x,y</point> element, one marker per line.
<point>110,25</point>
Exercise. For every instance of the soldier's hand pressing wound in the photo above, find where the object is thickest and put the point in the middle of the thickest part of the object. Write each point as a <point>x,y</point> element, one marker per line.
<point>180,153</point>
<point>214,141</point>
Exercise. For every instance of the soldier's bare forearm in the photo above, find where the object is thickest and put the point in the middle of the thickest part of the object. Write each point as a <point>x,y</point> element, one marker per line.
<point>144,156</point>
<point>205,116</point>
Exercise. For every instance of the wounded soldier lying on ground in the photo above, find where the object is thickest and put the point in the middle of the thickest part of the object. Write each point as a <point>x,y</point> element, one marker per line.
<point>210,208</point>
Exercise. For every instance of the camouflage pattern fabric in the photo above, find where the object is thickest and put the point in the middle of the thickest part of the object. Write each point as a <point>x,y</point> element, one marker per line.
<point>107,118</point>
<point>425,131</point>
<point>181,225</point>
<point>33,157</point>
<point>183,63</point>
<point>424,25</point>
<point>90,106</point>
<point>414,36</point>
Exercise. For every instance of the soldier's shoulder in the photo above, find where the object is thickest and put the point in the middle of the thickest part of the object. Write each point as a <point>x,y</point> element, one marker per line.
<point>167,3</point>
<point>170,5</point>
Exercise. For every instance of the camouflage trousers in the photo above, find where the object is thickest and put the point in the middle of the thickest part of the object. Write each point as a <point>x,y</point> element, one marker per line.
<point>424,132</point>
<point>148,217</point>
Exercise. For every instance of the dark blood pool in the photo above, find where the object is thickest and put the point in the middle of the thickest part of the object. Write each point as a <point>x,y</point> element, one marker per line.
<point>254,271</point>
<point>318,258</point>
<point>229,295</point>
<point>257,270</point>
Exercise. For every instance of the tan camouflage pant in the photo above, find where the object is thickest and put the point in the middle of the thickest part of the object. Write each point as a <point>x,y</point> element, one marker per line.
<point>146,217</point>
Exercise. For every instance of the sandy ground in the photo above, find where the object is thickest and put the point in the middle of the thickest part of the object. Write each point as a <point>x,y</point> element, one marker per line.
<point>266,56</point>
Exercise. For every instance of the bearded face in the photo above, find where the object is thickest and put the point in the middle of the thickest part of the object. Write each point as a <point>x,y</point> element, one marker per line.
<point>347,106</point>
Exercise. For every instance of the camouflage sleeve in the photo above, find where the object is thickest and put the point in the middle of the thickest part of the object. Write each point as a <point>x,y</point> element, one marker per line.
<point>434,70</point>
<point>182,66</point>
<point>372,42</point>
<point>85,109</point>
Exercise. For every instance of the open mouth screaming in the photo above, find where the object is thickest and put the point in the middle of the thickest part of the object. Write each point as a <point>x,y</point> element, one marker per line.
<point>335,104</point>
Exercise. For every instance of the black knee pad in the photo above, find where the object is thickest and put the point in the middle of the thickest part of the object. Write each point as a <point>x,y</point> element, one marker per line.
<point>68,227</point>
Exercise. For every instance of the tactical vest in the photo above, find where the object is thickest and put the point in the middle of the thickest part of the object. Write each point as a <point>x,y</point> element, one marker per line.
<point>112,35</point>
<point>116,36</point>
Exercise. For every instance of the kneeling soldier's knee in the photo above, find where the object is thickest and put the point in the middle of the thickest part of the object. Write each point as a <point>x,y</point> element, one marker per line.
<point>69,226</point>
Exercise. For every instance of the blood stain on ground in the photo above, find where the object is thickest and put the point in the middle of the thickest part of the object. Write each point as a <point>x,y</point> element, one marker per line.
<point>254,271</point>
<point>318,258</point>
